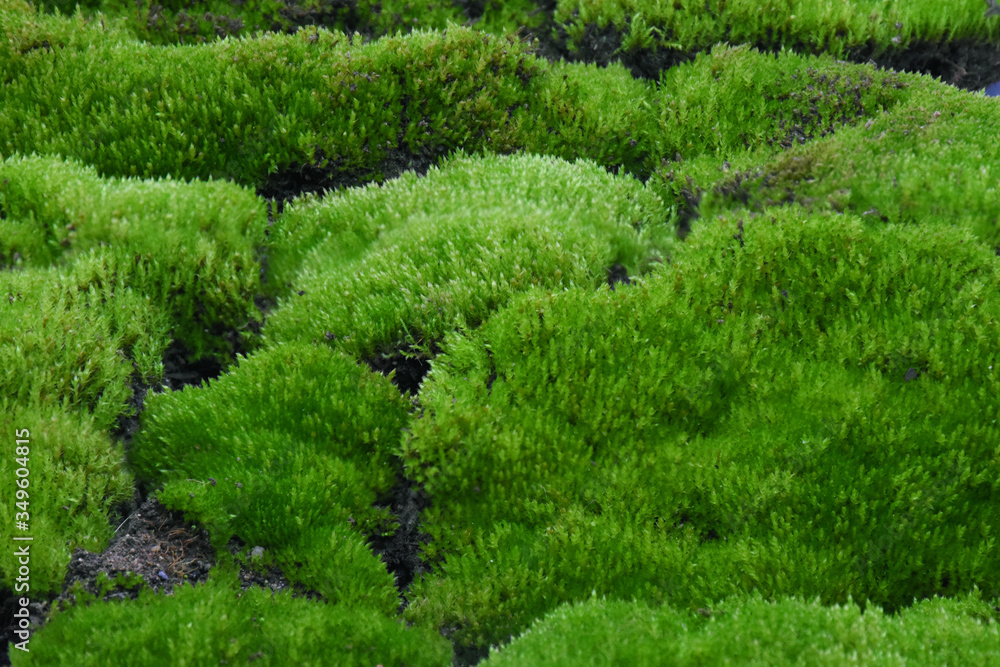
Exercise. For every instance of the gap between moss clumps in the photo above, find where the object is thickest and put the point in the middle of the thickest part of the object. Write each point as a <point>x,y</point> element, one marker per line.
<point>964,63</point>
<point>401,551</point>
<point>410,363</point>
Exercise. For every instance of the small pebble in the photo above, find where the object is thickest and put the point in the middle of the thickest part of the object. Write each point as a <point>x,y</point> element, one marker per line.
<point>163,575</point>
<point>256,552</point>
<point>992,90</point>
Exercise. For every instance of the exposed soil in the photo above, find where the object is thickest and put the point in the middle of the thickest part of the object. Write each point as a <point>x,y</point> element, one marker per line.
<point>401,551</point>
<point>330,176</point>
<point>411,365</point>
<point>154,546</point>
<point>151,547</point>
<point>266,577</point>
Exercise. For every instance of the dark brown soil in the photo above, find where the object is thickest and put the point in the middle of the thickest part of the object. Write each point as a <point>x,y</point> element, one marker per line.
<point>152,544</point>
<point>410,365</point>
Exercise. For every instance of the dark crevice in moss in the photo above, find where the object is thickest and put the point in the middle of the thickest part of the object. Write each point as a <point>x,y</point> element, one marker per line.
<point>271,577</point>
<point>38,610</point>
<point>409,363</point>
<point>963,63</point>
<point>401,551</point>
<point>737,190</point>
<point>493,372</point>
<point>467,656</point>
<point>327,174</point>
<point>600,46</point>
<point>688,210</point>
<point>473,9</point>
<point>128,424</point>
<point>330,14</point>
<point>618,274</point>
<point>289,19</point>
<point>180,370</point>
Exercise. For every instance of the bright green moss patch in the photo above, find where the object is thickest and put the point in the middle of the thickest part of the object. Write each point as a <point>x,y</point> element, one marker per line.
<point>419,255</point>
<point>244,109</point>
<point>797,401</point>
<point>76,337</point>
<point>727,102</point>
<point>189,248</point>
<point>202,21</point>
<point>758,632</point>
<point>240,109</point>
<point>217,623</point>
<point>930,161</point>
<point>832,27</point>
<point>75,479</point>
<point>66,208</point>
<point>736,98</point>
<point>582,110</point>
<point>289,451</point>
<point>796,405</point>
<point>726,114</point>
<point>24,29</point>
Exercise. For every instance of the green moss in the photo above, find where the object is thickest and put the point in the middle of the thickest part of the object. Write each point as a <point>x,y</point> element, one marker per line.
<point>77,338</point>
<point>289,451</point>
<point>312,104</point>
<point>795,405</point>
<point>218,622</point>
<point>76,341</point>
<point>240,110</point>
<point>926,162</point>
<point>75,478</point>
<point>189,247</point>
<point>839,29</point>
<point>757,632</point>
<point>801,403</point>
<point>726,116</point>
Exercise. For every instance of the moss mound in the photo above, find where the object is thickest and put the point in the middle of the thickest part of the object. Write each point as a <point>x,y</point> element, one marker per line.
<point>780,409</point>
<point>757,632</point>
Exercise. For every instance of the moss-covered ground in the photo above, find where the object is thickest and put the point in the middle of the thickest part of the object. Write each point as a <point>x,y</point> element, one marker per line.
<point>530,332</point>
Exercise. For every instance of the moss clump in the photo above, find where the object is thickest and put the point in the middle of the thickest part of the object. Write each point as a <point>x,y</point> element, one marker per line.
<point>839,29</point>
<point>75,479</point>
<point>242,109</point>
<point>754,631</point>
<point>289,451</point>
<point>796,405</point>
<point>187,250</point>
<point>422,255</point>
<point>246,109</point>
<point>217,622</point>
<point>77,337</point>
<point>928,162</point>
